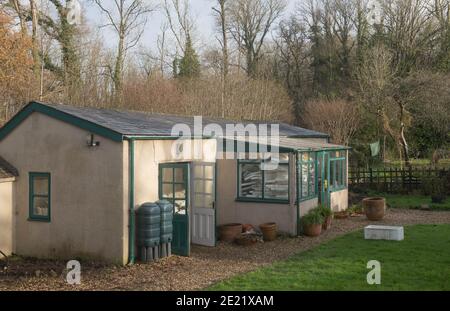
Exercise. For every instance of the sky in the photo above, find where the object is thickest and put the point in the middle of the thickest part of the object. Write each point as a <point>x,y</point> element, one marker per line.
<point>201,11</point>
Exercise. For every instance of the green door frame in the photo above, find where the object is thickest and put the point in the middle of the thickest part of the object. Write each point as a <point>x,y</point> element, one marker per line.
<point>325,195</point>
<point>181,222</point>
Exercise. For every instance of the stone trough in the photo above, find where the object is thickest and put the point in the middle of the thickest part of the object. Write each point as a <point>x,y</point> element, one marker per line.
<point>391,233</point>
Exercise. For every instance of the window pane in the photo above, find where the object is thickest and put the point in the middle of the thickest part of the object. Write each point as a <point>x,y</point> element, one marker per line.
<point>312,179</point>
<point>167,191</point>
<point>198,171</point>
<point>277,183</point>
<point>180,191</point>
<point>40,185</point>
<point>251,181</point>
<point>209,172</point>
<point>40,206</point>
<point>180,207</point>
<point>209,185</point>
<point>179,174</point>
<point>304,180</point>
<point>209,201</point>
<point>199,185</point>
<point>167,174</point>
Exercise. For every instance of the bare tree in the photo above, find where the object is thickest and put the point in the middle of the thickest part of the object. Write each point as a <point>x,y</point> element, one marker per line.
<point>250,23</point>
<point>293,49</point>
<point>127,18</point>
<point>179,20</point>
<point>338,117</point>
<point>379,96</point>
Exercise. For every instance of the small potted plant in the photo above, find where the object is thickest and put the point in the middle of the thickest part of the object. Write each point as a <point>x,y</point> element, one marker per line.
<point>327,215</point>
<point>312,223</point>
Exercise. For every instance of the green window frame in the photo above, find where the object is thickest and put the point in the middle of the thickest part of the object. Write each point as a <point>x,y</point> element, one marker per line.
<point>307,170</point>
<point>338,170</point>
<point>40,193</point>
<point>264,175</point>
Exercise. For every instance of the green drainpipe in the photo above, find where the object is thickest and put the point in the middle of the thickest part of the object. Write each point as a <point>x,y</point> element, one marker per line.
<point>297,189</point>
<point>131,229</point>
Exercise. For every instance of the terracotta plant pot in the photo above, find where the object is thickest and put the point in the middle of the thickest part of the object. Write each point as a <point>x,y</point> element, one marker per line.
<point>375,208</point>
<point>229,232</point>
<point>327,223</point>
<point>312,230</point>
<point>269,231</point>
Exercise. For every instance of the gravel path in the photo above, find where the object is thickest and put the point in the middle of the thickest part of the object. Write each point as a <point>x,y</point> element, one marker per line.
<point>205,267</point>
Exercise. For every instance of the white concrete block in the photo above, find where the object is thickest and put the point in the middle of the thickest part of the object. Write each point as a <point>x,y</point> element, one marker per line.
<point>393,233</point>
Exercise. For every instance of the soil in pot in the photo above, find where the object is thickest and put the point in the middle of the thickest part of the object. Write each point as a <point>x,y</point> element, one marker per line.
<point>327,223</point>
<point>269,231</point>
<point>229,232</point>
<point>312,230</point>
<point>375,208</point>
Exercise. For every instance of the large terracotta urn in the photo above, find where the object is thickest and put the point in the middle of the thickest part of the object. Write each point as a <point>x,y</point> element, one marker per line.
<point>375,208</point>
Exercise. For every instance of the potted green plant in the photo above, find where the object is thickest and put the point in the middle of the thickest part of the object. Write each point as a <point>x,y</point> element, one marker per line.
<point>327,215</point>
<point>312,223</point>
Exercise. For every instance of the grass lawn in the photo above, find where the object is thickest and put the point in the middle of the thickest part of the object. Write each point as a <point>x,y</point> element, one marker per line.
<point>414,201</point>
<point>420,262</point>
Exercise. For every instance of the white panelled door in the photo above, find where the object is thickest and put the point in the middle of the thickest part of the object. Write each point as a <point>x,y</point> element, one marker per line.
<point>203,222</point>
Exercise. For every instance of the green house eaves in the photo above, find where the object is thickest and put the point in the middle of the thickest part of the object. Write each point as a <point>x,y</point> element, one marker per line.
<point>59,115</point>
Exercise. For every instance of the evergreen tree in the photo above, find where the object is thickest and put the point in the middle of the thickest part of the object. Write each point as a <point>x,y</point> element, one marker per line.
<point>189,65</point>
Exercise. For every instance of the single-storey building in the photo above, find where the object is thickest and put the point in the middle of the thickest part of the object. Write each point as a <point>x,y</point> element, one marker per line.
<point>71,179</point>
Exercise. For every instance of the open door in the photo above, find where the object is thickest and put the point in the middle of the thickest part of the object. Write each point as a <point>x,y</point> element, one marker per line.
<point>203,229</point>
<point>324,178</point>
<point>174,187</point>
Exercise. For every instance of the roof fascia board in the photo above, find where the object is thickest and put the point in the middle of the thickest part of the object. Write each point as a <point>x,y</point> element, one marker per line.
<point>59,115</point>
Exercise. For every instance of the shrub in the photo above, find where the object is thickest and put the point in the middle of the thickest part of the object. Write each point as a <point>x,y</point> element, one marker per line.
<point>314,217</point>
<point>324,211</point>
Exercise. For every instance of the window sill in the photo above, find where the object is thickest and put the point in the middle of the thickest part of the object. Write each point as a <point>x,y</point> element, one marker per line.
<point>47,220</point>
<point>269,201</point>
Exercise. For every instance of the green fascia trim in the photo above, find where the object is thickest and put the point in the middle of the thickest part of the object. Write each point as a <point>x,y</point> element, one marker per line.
<point>166,137</point>
<point>62,116</point>
<point>258,147</point>
<point>31,195</point>
<point>131,229</point>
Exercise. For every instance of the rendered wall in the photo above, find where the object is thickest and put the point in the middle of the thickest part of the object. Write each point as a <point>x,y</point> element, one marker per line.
<point>231,211</point>
<point>150,153</point>
<point>339,200</point>
<point>87,191</point>
<point>6,216</point>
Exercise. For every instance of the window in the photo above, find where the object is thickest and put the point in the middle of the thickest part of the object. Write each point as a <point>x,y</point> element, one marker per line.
<point>258,184</point>
<point>338,170</point>
<point>173,186</point>
<point>307,176</point>
<point>40,199</point>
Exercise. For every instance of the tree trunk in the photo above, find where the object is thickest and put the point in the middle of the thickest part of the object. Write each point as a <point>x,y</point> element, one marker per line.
<point>35,48</point>
<point>119,67</point>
